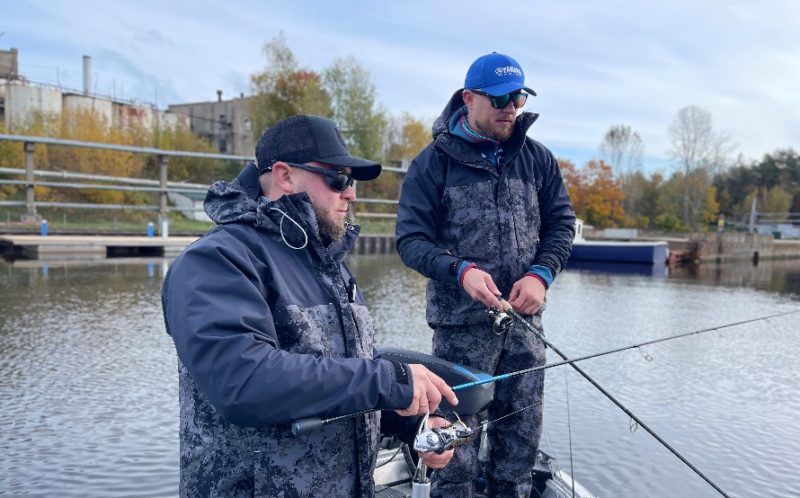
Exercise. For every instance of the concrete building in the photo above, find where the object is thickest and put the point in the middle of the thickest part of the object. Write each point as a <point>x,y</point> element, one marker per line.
<point>226,124</point>
<point>20,99</point>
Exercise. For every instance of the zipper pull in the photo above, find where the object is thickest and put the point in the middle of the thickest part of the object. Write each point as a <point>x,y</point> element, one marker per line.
<point>351,290</point>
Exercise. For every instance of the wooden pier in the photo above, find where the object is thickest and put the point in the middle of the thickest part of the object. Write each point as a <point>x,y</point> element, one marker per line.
<point>65,247</point>
<point>55,247</point>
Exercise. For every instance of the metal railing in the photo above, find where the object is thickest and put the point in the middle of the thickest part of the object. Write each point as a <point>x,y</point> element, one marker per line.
<point>161,186</point>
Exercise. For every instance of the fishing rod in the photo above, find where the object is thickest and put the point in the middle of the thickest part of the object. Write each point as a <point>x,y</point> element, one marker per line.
<point>306,425</point>
<point>515,373</point>
<point>508,309</point>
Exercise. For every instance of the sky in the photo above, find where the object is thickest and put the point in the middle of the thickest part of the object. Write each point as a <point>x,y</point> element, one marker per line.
<point>593,63</point>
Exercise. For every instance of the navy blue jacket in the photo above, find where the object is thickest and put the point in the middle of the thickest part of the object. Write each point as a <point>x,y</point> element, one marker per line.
<point>455,206</point>
<point>266,334</point>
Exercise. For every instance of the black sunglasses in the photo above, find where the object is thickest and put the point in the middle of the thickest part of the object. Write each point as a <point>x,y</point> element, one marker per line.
<point>337,180</point>
<point>517,99</point>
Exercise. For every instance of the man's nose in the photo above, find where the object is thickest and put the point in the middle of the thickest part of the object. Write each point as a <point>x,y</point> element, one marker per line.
<point>349,193</point>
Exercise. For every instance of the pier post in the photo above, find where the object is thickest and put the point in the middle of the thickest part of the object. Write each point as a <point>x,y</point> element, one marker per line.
<point>162,205</point>
<point>30,215</point>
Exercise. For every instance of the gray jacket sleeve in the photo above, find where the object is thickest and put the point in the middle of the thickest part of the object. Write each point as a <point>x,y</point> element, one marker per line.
<point>558,218</point>
<point>418,219</point>
<point>216,312</point>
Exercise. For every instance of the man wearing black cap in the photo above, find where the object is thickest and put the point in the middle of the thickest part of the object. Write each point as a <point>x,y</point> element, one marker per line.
<point>483,214</point>
<point>269,328</point>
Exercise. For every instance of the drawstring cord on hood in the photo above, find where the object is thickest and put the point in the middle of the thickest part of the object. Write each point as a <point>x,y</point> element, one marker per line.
<point>280,226</point>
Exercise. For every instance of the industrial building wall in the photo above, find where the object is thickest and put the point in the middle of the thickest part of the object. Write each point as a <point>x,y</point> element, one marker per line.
<point>100,107</point>
<point>22,101</point>
<point>224,123</point>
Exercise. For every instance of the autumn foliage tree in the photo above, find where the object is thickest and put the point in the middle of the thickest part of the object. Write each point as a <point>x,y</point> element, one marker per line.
<point>596,195</point>
<point>89,126</point>
<point>284,88</point>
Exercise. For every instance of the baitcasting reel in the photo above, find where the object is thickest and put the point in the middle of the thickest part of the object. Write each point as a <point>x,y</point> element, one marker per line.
<point>501,321</point>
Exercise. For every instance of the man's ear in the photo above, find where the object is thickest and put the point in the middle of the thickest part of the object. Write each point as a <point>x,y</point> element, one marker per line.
<point>467,96</point>
<point>282,178</point>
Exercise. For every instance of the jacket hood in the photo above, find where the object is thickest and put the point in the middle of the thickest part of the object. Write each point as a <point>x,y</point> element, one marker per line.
<point>291,216</point>
<point>443,138</point>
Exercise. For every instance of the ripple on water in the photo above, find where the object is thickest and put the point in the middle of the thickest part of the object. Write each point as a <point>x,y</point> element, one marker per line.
<point>88,387</point>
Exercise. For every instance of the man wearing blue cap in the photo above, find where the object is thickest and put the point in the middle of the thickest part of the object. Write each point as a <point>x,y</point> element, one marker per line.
<point>484,213</point>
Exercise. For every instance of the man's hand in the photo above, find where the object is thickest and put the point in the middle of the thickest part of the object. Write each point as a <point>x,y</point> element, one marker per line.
<point>430,458</point>
<point>429,389</point>
<point>480,287</point>
<point>527,295</point>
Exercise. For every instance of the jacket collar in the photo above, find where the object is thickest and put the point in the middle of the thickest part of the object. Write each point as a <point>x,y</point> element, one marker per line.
<point>465,152</point>
<point>291,216</point>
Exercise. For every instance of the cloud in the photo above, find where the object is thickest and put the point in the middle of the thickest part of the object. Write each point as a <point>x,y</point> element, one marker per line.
<point>594,64</point>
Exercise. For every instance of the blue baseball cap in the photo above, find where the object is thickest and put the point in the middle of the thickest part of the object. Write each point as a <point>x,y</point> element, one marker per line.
<point>496,74</point>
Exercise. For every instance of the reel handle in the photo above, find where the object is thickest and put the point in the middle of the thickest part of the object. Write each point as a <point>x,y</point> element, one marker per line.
<point>306,425</point>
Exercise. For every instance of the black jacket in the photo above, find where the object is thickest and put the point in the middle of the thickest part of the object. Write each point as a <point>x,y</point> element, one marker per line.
<point>266,334</point>
<point>456,205</point>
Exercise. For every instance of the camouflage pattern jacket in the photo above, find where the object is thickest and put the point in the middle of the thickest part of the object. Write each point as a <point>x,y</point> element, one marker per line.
<point>455,205</point>
<point>266,334</point>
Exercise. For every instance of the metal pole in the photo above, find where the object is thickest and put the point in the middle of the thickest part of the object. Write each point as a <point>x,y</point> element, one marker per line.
<point>30,200</point>
<point>162,181</point>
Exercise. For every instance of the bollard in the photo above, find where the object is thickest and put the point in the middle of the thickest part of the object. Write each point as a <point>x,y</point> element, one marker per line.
<point>151,230</point>
<point>44,228</point>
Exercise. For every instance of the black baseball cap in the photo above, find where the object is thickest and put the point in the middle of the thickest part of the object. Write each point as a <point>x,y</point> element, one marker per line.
<point>305,138</point>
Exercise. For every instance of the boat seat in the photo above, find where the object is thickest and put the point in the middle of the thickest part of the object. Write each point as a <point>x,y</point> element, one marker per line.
<point>471,401</point>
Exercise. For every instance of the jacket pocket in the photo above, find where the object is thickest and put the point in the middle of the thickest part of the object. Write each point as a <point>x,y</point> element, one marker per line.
<point>471,228</point>
<point>523,204</point>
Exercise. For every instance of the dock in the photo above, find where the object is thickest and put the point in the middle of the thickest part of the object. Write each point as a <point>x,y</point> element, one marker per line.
<point>92,247</point>
<point>55,247</point>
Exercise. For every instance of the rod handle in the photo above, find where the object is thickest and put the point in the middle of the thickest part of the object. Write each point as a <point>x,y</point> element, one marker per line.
<point>306,425</point>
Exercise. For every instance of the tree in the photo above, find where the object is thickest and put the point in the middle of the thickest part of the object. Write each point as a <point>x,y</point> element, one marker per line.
<point>355,110</point>
<point>406,136</point>
<point>646,203</point>
<point>285,89</point>
<point>621,148</point>
<point>774,200</point>
<point>188,169</point>
<point>596,196</point>
<point>696,146</point>
<point>737,186</point>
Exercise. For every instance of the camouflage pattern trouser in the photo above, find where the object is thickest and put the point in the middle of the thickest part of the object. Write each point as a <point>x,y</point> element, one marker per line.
<point>513,441</point>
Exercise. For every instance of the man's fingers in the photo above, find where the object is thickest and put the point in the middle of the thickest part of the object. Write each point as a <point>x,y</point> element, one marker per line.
<point>445,390</point>
<point>435,461</point>
<point>434,398</point>
<point>491,286</point>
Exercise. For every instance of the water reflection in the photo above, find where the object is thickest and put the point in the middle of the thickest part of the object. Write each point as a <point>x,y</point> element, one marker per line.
<point>88,394</point>
<point>659,270</point>
<point>781,276</point>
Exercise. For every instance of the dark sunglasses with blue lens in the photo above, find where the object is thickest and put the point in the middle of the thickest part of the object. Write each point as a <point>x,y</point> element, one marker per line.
<point>337,180</point>
<point>517,99</point>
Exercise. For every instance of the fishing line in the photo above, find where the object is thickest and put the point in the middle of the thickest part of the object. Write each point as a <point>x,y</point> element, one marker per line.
<point>569,433</point>
<point>647,357</point>
<point>313,423</point>
<point>608,395</point>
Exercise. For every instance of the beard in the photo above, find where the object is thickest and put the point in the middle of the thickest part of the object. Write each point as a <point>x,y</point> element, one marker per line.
<point>496,131</point>
<point>488,127</point>
<point>330,230</point>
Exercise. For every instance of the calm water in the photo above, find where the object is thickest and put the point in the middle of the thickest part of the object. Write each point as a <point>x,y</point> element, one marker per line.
<point>88,394</point>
